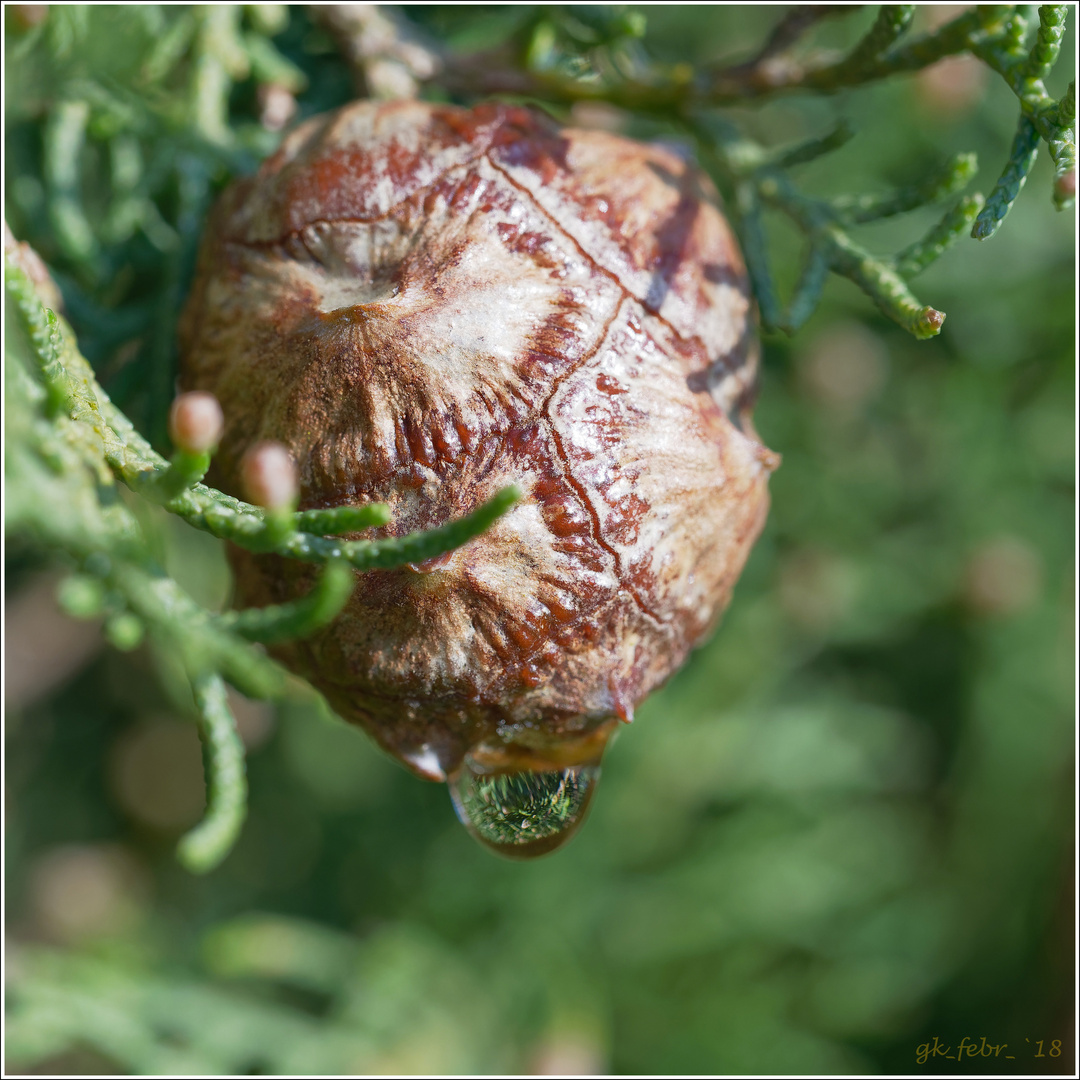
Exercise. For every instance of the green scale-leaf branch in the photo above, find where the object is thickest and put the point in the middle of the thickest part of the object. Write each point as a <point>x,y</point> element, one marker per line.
<point>756,179</point>
<point>68,445</point>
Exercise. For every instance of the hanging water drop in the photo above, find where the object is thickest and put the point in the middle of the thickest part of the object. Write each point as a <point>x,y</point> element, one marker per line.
<point>523,813</point>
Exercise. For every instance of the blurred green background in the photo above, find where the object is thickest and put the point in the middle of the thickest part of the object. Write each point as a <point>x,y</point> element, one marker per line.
<point>845,829</point>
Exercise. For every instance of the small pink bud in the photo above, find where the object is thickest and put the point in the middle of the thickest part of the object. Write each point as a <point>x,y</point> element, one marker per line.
<point>277,106</point>
<point>196,422</point>
<point>269,476</point>
<point>1065,186</point>
<point>931,321</point>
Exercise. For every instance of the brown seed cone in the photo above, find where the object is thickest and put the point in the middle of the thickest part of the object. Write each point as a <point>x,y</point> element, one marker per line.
<point>426,303</point>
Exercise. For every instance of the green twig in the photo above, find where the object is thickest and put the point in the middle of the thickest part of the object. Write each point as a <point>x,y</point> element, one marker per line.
<point>1066,110</point>
<point>1021,157</point>
<point>41,326</point>
<point>957,221</point>
<point>1016,29</point>
<point>418,547</point>
<point>884,286</point>
<point>948,180</point>
<point>336,520</point>
<point>185,470</point>
<point>795,24</point>
<point>192,632</point>
<point>1044,52</point>
<point>1063,150</point>
<point>831,247</point>
<point>954,37</point>
<point>279,526</point>
<point>808,290</point>
<point>299,618</point>
<point>751,229</point>
<point>813,148</point>
<point>890,24</point>
<point>63,144</point>
<point>210,841</point>
<point>750,176</point>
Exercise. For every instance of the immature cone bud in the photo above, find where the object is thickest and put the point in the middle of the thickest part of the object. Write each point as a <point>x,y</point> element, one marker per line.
<point>269,476</point>
<point>196,422</point>
<point>426,304</point>
<point>277,106</point>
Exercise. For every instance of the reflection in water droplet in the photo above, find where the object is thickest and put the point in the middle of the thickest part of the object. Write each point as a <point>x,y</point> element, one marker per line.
<point>525,813</point>
<point>425,761</point>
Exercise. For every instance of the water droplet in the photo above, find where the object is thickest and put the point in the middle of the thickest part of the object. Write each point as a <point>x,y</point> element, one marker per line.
<point>525,812</point>
<point>425,761</point>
